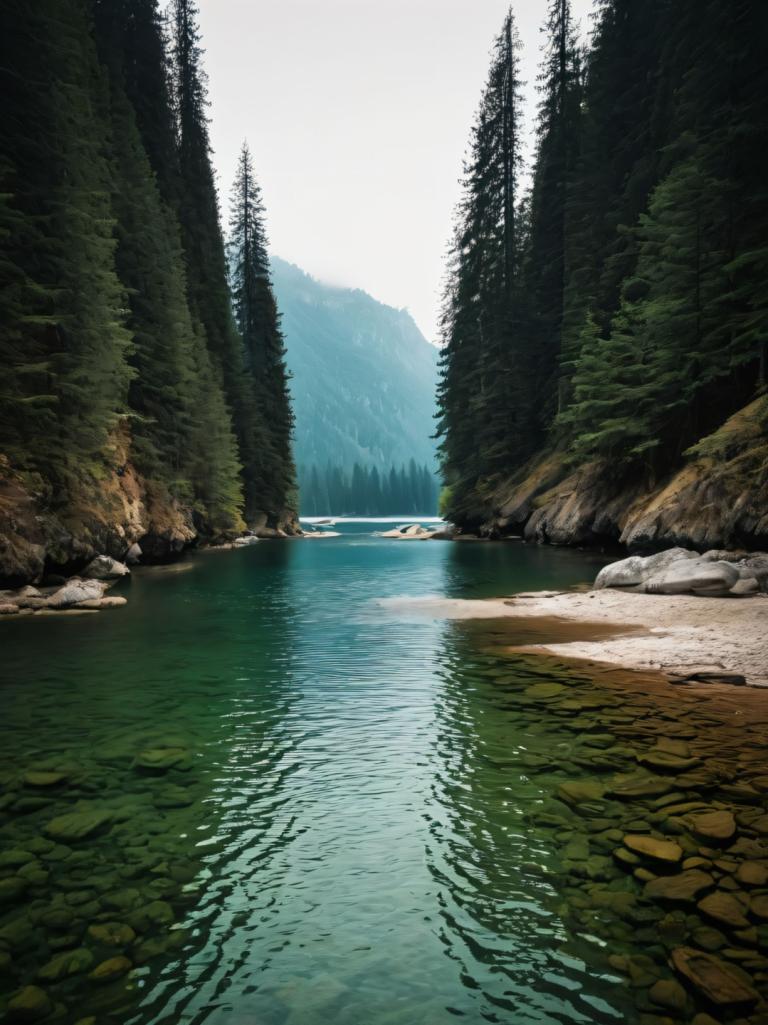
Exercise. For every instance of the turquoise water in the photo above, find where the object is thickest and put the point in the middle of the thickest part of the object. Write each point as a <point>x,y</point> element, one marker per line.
<point>346,835</point>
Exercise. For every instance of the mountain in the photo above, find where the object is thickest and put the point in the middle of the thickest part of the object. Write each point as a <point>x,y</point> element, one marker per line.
<point>364,376</point>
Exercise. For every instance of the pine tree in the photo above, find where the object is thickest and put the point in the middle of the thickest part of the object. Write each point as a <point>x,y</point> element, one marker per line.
<point>558,140</point>
<point>269,471</point>
<point>65,357</point>
<point>484,411</point>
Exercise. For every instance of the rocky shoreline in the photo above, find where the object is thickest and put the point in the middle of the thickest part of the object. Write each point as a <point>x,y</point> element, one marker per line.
<point>122,516</point>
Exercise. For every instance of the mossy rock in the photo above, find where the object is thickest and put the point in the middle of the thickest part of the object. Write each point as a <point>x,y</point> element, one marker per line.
<point>78,825</point>
<point>70,962</point>
<point>29,1004</point>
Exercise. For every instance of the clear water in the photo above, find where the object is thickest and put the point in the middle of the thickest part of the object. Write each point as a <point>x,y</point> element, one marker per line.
<point>352,840</point>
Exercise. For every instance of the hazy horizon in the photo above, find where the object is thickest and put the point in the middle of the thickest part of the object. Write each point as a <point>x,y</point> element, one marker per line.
<point>358,123</point>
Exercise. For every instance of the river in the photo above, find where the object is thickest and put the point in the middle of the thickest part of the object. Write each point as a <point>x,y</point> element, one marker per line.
<point>296,808</point>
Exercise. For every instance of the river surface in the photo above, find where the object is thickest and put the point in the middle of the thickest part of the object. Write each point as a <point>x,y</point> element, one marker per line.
<point>298,808</point>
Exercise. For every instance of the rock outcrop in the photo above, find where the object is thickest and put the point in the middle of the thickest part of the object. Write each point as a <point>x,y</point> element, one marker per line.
<point>107,525</point>
<point>717,499</point>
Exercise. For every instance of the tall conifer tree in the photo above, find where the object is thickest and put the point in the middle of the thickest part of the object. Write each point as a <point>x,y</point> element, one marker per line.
<point>269,471</point>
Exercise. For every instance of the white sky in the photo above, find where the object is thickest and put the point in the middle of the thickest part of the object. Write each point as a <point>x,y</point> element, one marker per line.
<point>358,114</point>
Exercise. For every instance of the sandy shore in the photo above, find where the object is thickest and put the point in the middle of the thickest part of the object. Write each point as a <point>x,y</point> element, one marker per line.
<point>675,634</point>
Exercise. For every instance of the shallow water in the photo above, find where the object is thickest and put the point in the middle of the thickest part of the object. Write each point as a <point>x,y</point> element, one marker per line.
<point>361,822</point>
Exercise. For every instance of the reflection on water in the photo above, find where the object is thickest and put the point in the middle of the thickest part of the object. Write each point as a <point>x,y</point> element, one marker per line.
<point>304,811</point>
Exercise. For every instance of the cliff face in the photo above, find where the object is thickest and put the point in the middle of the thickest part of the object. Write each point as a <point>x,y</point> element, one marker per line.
<point>718,499</point>
<point>107,515</point>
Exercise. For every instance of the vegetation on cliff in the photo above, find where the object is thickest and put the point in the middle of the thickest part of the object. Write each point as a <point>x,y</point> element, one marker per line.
<point>120,348</point>
<point>609,318</point>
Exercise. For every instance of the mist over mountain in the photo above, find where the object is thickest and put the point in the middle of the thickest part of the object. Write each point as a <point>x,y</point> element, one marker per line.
<point>363,374</point>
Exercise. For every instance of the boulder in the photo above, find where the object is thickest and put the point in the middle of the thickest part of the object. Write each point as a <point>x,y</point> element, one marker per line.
<point>755,567</point>
<point>133,555</point>
<point>637,569</point>
<point>9,609</point>
<point>105,568</point>
<point>746,586</point>
<point>693,575</point>
<point>76,591</point>
<point>408,532</point>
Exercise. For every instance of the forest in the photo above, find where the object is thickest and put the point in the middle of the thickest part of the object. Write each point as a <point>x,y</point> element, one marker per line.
<point>612,314</point>
<point>140,339</point>
<point>330,490</point>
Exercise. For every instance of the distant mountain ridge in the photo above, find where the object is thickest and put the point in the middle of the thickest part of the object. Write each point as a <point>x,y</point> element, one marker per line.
<point>363,376</point>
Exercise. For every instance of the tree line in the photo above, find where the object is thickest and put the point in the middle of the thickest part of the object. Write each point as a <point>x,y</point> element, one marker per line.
<point>332,491</point>
<point>616,309</point>
<point>125,336</point>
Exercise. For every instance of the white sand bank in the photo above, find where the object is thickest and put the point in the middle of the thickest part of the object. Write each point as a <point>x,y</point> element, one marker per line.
<point>672,633</point>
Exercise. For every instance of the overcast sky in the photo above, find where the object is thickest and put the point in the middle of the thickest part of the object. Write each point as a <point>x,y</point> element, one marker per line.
<point>358,113</point>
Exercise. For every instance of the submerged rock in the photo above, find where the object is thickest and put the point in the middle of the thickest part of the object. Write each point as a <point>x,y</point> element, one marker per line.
<point>724,909</point>
<point>650,847</point>
<point>111,969</point>
<point>158,760</point>
<point>719,982</point>
<point>679,889</point>
<point>580,791</point>
<point>70,962</point>
<point>715,826</point>
<point>44,778</point>
<point>668,993</point>
<point>29,1004</point>
<point>77,825</point>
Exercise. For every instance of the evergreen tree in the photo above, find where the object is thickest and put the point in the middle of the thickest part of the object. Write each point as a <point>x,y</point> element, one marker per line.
<point>64,356</point>
<point>484,415</point>
<point>269,471</point>
<point>558,139</point>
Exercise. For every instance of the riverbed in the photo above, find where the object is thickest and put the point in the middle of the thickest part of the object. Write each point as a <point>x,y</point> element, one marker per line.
<point>249,797</point>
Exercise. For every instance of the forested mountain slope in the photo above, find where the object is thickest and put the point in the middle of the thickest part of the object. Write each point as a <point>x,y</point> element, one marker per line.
<point>363,376</point>
<point>141,399</point>
<point>604,368</point>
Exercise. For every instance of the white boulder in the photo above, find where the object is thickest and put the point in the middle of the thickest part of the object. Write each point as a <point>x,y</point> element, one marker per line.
<point>105,568</point>
<point>76,591</point>
<point>637,569</point>
<point>696,575</point>
<point>134,554</point>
